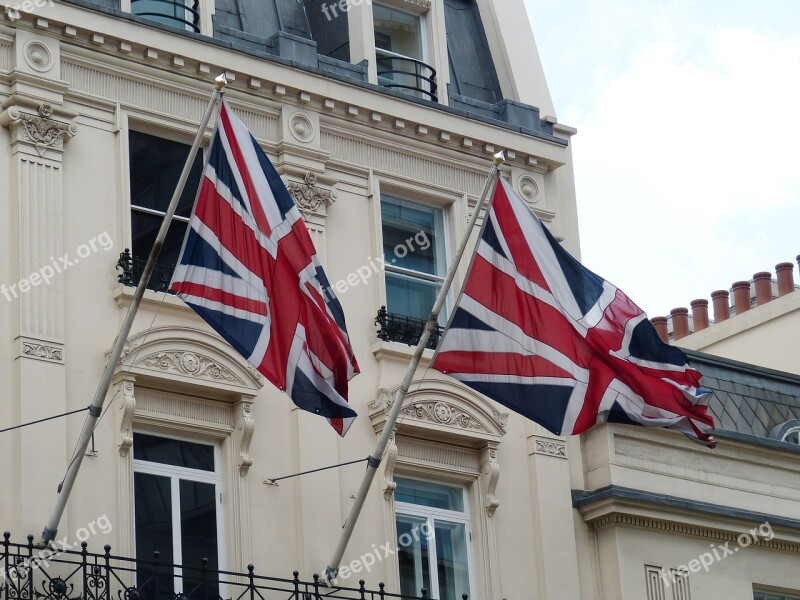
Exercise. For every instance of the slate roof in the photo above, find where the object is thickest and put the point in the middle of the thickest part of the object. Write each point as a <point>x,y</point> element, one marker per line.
<point>747,399</point>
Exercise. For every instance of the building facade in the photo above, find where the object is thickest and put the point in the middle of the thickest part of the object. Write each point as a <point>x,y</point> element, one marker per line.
<point>382,118</point>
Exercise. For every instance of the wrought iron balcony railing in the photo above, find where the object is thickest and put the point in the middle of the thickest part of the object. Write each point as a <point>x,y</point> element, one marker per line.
<point>178,13</point>
<point>30,573</point>
<point>407,330</point>
<point>132,267</point>
<point>408,75</point>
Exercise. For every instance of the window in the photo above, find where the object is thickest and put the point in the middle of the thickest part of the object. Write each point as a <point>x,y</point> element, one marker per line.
<point>183,14</point>
<point>433,538</point>
<point>792,436</point>
<point>770,596</point>
<point>413,248</point>
<point>155,167</point>
<point>400,52</point>
<point>176,487</point>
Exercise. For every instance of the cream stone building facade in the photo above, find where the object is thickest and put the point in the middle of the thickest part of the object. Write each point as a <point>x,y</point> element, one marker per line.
<point>382,118</point>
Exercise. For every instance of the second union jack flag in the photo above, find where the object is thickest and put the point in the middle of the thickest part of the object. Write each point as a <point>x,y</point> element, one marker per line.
<point>250,270</point>
<point>544,336</point>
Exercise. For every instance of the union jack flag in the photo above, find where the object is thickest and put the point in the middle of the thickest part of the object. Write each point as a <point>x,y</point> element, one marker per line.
<point>249,269</point>
<point>539,333</point>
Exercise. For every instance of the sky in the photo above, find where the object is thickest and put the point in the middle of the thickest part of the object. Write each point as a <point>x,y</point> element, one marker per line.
<point>687,157</point>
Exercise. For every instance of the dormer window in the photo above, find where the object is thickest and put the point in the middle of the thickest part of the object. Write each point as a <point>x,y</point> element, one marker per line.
<point>400,52</point>
<point>184,14</point>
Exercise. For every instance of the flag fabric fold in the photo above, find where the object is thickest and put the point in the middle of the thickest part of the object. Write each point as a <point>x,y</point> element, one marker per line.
<point>249,268</point>
<point>539,333</point>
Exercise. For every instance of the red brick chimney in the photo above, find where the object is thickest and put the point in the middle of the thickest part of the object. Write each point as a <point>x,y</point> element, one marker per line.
<point>680,322</point>
<point>741,296</point>
<point>763,284</point>
<point>700,313</point>
<point>660,323</point>
<point>721,301</point>
<point>785,278</point>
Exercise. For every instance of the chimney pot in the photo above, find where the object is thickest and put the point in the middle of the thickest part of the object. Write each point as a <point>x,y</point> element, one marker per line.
<point>763,285</point>
<point>680,322</point>
<point>721,302</point>
<point>699,313</point>
<point>785,272</point>
<point>741,296</point>
<point>660,323</point>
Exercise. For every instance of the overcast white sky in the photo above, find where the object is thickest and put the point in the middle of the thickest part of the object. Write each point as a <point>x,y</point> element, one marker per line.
<point>687,157</point>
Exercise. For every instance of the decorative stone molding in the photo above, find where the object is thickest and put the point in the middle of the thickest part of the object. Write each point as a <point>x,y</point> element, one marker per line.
<point>490,473</point>
<point>246,425</point>
<point>39,130</point>
<point>310,199</point>
<point>189,364</point>
<point>127,404</point>
<point>388,471</point>
<point>549,447</point>
<point>41,350</point>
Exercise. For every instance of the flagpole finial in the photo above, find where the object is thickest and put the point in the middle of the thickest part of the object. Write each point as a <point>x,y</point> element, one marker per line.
<point>499,158</point>
<point>220,81</point>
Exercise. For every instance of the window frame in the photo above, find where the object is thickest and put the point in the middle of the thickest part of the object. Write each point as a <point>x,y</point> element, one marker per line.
<point>431,515</point>
<point>175,474</point>
<point>205,22</point>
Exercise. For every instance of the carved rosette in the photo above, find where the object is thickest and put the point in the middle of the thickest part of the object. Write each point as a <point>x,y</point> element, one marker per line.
<point>310,199</point>
<point>443,413</point>
<point>39,130</point>
<point>189,364</point>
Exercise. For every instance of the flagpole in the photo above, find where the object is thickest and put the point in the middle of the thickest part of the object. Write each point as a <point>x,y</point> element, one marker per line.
<point>374,460</point>
<point>95,409</point>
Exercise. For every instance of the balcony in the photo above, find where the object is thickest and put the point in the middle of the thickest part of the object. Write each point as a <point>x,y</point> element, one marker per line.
<point>32,573</point>
<point>183,14</point>
<point>132,267</point>
<point>405,74</point>
<point>406,330</point>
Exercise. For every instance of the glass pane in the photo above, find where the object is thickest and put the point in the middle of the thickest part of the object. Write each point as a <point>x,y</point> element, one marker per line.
<point>413,555</point>
<point>397,31</point>
<point>144,228</point>
<point>412,236</point>
<point>199,537</point>
<point>153,530</point>
<point>451,560</point>
<point>410,297</point>
<point>425,493</point>
<point>167,12</point>
<point>173,452</point>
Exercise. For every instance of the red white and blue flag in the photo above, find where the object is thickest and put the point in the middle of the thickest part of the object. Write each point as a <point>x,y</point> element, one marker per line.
<point>539,333</point>
<point>249,269</point>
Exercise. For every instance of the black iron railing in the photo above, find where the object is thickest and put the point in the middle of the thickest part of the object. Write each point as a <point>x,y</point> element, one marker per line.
<point>408,75</point>
<point>407,330</point>
<point>132,267</point>
<point>31,573</point>
<point>179,13</point>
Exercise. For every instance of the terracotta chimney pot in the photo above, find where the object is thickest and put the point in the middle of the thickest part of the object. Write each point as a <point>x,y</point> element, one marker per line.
<point>699,313</point>
<point>660,323</point>
<point>721,301</point>
<point>741,296</point>
<point>680,322</point>
<point>785,278</point>
<point>763,283</point>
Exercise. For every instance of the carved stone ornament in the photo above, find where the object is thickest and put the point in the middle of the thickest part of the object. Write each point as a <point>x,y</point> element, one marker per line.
<point>42,351</point>
<point>550,448</point>
<point>189,364</point>
<point>490,473</point>
<point>246,425</point>
<point>443,413</point>
<point>128,406</point>
<point>388,472</point>
<point>310,199</point>
<point>39,130</point>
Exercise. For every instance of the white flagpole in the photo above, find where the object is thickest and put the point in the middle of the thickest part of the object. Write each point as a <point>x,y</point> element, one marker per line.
<point>374,460</point>
<point>96,408</point>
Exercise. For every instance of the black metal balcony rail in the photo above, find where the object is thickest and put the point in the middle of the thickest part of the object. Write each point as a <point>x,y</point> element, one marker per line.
<point>409,75</point>
<point>31,573</point>
<point>173,12</point>
<point>133,266</point>
<point>407,330</point>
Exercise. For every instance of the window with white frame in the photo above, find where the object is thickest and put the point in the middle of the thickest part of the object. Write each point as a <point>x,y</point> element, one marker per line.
<point>433,537</point>
<point>414,254</point>
<point>184,14</point>
<point>176,487</point>
<point>400,52</point>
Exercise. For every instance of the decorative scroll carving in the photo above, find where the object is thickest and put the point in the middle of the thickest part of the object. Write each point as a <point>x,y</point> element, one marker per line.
<point>443,413</point>
<point>128,406</point>
<point>42,132</point>
<point>388,472</point>
<point>490,473</point>
<point>189,363</point>
<point>246,424</point>
<point>42,351</point>
<point>550,448</point>
<point>311,200</point>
